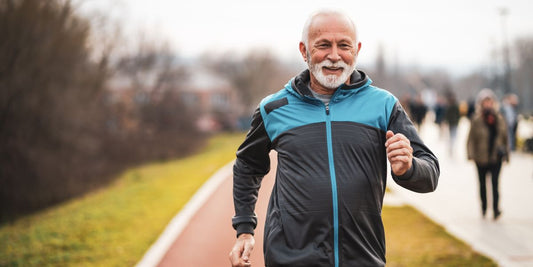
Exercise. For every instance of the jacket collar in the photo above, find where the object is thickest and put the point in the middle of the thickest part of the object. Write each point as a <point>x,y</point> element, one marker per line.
<point>301,81</point>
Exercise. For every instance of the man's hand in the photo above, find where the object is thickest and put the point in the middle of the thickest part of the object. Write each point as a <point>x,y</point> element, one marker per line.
<point>399,152</point>
<point>240,254</point>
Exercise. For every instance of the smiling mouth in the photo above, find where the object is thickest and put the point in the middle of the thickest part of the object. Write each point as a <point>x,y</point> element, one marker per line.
<point>333,69</point>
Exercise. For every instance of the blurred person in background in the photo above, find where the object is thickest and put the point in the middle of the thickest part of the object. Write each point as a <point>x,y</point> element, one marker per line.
<point>510,113</point>
<point>487,146</point>
<point>452,116</point>
<point>333,132</point>
<point>418,110</point>
<point>440,112</point>
<point>471,110</point>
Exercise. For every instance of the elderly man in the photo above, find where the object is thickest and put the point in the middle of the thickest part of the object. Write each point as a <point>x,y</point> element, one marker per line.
<point>333,132</point>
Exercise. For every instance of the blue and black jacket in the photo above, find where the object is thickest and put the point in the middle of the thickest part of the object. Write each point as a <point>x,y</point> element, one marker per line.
<point>325,207</point>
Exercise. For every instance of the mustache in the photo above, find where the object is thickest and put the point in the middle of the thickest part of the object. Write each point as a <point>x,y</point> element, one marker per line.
<point>327,63</point>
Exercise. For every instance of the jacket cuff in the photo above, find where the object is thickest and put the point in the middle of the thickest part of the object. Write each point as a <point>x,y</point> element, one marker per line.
<point>408,174</point>
<point>245,228</point>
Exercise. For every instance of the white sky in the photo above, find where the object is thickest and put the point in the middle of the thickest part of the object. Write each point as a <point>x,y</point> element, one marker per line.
<point>457,35</point>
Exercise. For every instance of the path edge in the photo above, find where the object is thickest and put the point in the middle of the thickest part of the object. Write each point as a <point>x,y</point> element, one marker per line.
<point>172,231</point>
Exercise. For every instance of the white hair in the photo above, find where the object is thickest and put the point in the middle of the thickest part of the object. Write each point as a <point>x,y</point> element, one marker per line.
<point>305,31</point>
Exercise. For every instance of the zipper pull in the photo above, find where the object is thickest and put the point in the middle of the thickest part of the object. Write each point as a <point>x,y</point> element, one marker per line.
<point>327,109</point>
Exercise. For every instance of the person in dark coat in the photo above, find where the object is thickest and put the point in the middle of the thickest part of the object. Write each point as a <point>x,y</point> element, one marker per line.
<point>488,147</point>
<point>418,111</point>
<point>452,116</point>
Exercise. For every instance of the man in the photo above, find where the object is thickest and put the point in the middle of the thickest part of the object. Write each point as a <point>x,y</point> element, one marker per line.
<point>333,133</point>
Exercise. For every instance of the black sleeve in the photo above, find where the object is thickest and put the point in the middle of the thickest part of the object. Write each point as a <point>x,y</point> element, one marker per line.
<point>423,176</point>
<point>251,165</point>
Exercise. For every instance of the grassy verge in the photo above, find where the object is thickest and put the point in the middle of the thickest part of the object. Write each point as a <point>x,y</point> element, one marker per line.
<point>414,240</point>
<point>116,225</point>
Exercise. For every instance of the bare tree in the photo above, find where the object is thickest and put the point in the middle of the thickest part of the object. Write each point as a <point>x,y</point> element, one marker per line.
<point>57,138</point>
<point>254,76</point>
<point>163,125</point>
<point>49,101</point>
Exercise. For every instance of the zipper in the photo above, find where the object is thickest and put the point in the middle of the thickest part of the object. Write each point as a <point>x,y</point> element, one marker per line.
<point>333,187</point>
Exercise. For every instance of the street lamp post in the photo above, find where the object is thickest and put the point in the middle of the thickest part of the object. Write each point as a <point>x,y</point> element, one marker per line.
<point>506,83</point>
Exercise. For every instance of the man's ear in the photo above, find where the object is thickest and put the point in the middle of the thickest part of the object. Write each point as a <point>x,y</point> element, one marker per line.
<point>303,51</point>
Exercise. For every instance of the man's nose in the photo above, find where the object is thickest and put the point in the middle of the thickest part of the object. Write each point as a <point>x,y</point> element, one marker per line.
<point>334,54</point>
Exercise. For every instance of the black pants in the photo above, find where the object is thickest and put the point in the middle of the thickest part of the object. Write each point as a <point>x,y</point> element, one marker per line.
<point>494,169</point>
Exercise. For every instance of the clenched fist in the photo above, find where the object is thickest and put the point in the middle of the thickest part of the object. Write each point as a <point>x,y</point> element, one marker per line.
<point>399,153</point>
<point>240,254</point>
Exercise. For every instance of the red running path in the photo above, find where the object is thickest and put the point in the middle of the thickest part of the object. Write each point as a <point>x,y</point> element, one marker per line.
<point>209,237</point>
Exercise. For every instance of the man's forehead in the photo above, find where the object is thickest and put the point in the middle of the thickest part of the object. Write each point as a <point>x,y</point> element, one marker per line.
<point>331,23</point>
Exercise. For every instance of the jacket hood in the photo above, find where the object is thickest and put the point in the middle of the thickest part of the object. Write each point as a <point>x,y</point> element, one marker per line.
<point>299,83</point>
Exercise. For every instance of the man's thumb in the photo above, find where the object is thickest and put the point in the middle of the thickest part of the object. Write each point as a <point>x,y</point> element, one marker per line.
<point>389,134</point>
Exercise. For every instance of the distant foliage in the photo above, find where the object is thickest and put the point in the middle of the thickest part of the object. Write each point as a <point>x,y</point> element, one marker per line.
<point>523,75</point>
<point>59,135</point>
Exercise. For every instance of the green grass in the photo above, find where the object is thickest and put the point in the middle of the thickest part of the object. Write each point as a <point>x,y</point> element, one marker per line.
<point>114,226</point>
<point>414,240</point>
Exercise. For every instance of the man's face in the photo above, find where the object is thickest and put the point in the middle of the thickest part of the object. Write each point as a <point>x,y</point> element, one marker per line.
<point>331,50</point>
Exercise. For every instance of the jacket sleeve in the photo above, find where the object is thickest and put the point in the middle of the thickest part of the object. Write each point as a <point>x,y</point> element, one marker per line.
<point>423,176</point>
<point>251,165</point>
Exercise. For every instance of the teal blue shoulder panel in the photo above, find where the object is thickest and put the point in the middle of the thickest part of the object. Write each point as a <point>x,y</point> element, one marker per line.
<point>286,110</point>
<point>371,106</point>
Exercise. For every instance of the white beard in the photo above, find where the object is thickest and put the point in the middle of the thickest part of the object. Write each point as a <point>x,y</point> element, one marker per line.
<point>331,81</point>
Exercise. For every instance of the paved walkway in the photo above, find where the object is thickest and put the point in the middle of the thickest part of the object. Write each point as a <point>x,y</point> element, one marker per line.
<point>456,205</point>
<point>208,237</point>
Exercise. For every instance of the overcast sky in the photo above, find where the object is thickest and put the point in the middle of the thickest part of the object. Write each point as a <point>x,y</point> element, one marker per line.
<point>457,35</point>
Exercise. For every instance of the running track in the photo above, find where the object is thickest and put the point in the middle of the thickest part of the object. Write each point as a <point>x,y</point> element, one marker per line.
<point>209,237</point>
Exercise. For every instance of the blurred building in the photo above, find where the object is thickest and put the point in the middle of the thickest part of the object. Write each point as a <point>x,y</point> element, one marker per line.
<point>209,96</point>
<point>213,98</point>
